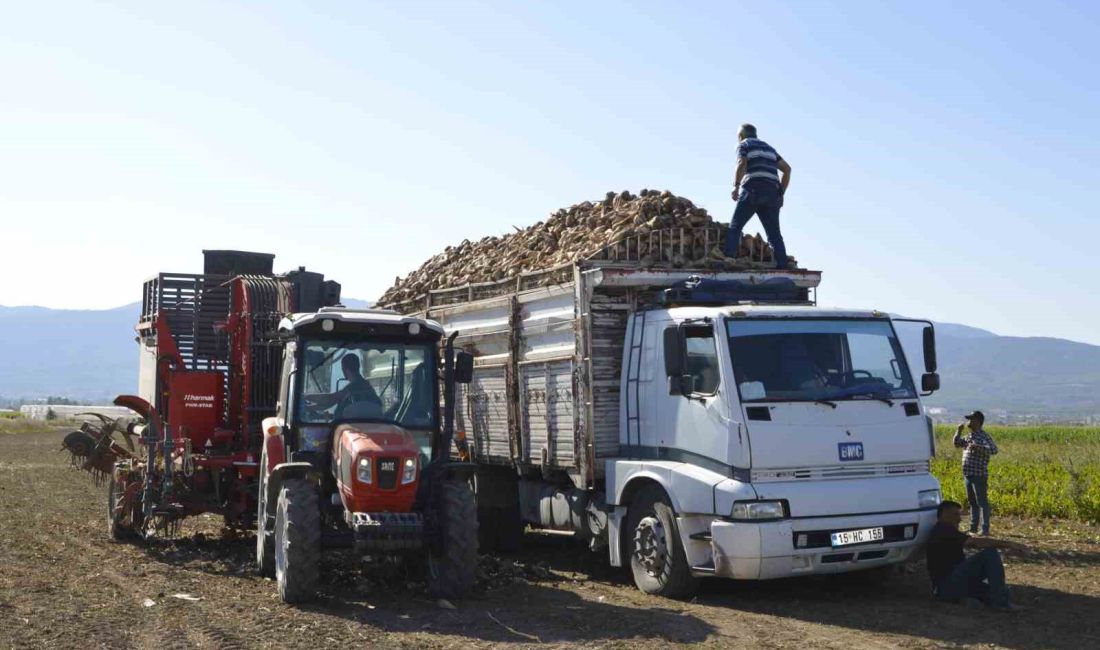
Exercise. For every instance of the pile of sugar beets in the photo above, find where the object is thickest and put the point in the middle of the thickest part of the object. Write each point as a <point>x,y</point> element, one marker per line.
<point>622,226</point>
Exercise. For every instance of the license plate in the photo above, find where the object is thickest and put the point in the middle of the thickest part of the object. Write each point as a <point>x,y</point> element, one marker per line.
<point>857,536</point>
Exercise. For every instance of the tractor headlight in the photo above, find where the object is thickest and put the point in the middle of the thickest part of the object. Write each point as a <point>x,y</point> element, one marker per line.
<point>928,498</point>
<point>759,510</point>
<point>363,471</point>
<point>408,472</point>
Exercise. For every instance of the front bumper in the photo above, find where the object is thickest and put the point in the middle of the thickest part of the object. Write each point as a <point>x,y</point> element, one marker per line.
<point>387,532</point>
<point>767,550</point>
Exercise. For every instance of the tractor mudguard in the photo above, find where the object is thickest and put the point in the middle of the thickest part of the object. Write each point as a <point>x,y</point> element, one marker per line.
<point>283,472</point>
<point>456,470</point>
<point>436,474</point>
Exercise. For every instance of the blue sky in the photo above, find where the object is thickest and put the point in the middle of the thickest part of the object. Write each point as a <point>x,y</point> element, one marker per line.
<point>944,154</point>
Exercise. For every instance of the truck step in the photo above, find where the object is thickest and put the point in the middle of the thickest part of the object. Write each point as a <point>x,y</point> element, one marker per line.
<point>701,537</point>
<point>706,568</point>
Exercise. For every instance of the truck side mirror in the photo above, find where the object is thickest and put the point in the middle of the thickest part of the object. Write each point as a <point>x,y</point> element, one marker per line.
<point>674,360</point>
<point>929,382</point>
<point>929,350</point>
<point>464,367</point>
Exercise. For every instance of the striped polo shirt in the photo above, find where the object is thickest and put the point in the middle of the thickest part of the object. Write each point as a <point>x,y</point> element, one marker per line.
<point>761,160</point>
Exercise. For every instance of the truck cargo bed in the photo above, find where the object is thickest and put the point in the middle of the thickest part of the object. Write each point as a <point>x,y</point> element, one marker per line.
<point>548,350</point>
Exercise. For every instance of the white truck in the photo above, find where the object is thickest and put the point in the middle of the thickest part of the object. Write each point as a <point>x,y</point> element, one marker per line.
<point>693,422</point>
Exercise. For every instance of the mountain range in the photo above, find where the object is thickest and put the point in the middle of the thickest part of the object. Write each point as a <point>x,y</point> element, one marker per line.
<point>91,355</point>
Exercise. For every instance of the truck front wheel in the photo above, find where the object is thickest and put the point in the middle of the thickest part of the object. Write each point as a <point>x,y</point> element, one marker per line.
<point>657,557</point>
<point>297,541</point>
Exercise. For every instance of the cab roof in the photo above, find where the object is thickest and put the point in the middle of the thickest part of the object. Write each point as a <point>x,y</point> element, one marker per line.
<point>356,316</point>
<point>775,311</point>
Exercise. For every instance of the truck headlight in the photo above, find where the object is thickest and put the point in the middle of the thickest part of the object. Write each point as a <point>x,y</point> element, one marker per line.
<point>363,471</point>
<point>758,510</point>
<point>408,473</point>
<point>928,498</point>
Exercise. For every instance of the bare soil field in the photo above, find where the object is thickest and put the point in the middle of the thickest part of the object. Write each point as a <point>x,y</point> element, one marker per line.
<point>63,583</point>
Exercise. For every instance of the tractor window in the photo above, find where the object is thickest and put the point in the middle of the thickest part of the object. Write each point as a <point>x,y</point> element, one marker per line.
<point>369,381</point>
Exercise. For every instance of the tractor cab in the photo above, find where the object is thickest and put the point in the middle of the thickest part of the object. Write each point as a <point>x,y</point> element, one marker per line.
<point>359,420</point>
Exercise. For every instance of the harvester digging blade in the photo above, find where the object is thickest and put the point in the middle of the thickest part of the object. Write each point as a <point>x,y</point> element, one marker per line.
<point>92,449</point>
<point>165,522</point>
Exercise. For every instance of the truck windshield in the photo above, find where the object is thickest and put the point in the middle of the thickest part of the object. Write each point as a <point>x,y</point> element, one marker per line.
<point>368,381</point>
<point>807,360</point>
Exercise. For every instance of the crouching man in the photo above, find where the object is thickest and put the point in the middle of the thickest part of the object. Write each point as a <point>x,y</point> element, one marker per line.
<point>955,577</point>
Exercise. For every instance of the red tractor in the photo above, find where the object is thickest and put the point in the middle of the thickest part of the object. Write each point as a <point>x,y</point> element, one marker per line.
<point>319,426</point>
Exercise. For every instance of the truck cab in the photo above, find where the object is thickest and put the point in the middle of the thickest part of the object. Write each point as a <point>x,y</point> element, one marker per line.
<point>785,440</point>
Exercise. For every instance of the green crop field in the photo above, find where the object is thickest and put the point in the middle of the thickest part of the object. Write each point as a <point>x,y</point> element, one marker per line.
<point>1041,471</point>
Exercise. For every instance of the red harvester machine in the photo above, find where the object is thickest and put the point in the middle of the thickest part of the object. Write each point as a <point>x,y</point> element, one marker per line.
<point>319,426</point>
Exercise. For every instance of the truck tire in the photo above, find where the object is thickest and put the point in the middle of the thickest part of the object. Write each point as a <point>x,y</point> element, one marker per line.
<point>265,540</point>
<point>452,570</point>
<point>500,524</point>
<point>297,541</point>
<point>652,543</point>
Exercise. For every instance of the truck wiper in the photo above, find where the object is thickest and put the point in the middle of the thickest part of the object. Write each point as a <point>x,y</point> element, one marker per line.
<point>887,401</point>
<point>825,402</point>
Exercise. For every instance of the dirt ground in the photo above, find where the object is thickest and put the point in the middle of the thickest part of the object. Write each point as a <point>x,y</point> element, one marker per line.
<point>63,583</point>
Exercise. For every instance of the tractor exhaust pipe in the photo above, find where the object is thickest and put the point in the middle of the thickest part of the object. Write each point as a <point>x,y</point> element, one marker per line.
<point>442,451</point>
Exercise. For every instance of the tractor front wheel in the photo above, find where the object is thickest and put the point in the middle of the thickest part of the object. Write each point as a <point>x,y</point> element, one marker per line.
<point>265,540</point>
<point>453,569</point>
<point>297,541</point>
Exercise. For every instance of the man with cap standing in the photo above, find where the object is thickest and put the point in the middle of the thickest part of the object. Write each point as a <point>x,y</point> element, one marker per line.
<point>978,447</point>
<point>758,190</point>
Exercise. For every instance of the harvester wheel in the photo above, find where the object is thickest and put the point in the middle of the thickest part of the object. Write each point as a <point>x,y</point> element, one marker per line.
<point>115,522</point>
<point>265,540</point>
<point>452,571</point>
<point>297,541</point>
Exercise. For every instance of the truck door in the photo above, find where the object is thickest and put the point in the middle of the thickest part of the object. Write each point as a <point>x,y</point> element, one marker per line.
<point>692,415</point>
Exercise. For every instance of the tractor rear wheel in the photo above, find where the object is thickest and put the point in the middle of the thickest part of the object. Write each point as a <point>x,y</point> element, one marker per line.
<point>297,541</point>
<point>453,570</point>
<point>265,539</point>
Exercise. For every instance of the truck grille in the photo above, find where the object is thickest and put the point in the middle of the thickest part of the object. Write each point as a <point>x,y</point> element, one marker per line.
<point>838,472</point>
<point>387,472</point>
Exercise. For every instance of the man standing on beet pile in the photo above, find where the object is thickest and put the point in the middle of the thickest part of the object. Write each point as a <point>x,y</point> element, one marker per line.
<point>758,190</point>
<point>978,447</point>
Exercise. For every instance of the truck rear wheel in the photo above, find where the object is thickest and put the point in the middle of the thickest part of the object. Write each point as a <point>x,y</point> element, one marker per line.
<point>265,540</point>
<point>657,557</point>
<point>453,570</point>
<point>297,541</point>
<point>500,524</point>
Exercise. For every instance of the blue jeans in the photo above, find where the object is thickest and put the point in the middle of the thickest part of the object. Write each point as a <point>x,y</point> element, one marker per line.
<point>977,493</point>
<point>764,201</point>
<point>980,576</point>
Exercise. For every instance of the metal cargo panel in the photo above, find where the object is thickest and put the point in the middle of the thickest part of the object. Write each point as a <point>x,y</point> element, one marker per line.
<point>548,412</point>
<point>483,414</point>
<point>608,310</point>
<point>550,417</point>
